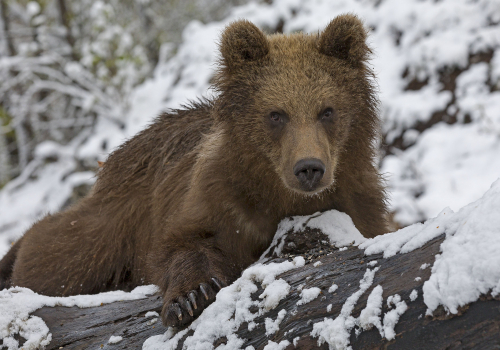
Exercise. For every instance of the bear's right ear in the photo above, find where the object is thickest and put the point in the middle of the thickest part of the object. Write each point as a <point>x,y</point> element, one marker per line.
<point>345,38</point>
<point>242,43</point>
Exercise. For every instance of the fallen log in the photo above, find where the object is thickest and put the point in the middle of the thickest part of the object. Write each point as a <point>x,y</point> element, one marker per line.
<point>476,326</point>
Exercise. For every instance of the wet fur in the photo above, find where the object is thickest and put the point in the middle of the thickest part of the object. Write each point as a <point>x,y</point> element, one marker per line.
<point>200,192</point>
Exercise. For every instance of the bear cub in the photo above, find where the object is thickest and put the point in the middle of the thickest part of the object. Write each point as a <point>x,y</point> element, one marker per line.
<point>196,197</point>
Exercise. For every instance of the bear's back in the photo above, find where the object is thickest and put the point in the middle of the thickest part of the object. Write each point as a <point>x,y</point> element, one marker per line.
<point>146,157</point>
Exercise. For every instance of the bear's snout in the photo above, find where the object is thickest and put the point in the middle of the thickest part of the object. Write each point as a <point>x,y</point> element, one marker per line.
<point>309,172</point>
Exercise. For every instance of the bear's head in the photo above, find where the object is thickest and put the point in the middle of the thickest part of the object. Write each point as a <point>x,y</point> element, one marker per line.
<point>305,103</point>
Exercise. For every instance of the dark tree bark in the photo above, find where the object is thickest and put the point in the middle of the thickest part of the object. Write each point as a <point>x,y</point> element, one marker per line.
<point>64,18</point>
<point>476,326</point>
<point>4,12</point>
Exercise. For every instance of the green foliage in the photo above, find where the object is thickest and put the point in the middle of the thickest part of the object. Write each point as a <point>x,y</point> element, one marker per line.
<point>5,122</point>
<point>6,137</point>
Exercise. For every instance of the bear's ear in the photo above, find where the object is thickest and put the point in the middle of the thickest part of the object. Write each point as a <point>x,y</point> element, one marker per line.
<point>242,42</point>
<point>345,38</point>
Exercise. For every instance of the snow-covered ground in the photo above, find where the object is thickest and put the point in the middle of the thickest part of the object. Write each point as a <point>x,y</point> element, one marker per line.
<point>445,166</point>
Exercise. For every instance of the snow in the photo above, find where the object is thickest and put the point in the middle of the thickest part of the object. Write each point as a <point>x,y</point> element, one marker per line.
<point>115,339</point>
<point>413,295</point>
<point>336,225</point>
<point>370,315</point>
<point>408,238</point>
<point>32,8</point>
<point>333,288</point>
<point>273,326</point>
<point>151,314</point>
<point>308,295</point>
<point>152,321</point>
<point>336,332</point>
<point>446,175</point>
<point>391,317</point>
<point>274,293</point>
<point>17,303</point>
<point>276,346</point>
<point>469,263</point>
<point>317,263</point>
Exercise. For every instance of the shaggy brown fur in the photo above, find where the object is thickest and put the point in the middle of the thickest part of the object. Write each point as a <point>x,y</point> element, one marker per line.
<point>196,197</point>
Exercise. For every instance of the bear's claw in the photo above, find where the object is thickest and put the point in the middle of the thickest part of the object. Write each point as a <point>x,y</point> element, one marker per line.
<point>189,308</point>
<point>204,288</point>
<point>218,283</point>
<point>192,298</point>
<point>177,311</point>
<point>184,309</point>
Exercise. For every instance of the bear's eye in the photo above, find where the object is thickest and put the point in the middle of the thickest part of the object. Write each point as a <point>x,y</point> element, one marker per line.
<point>328,114</point>
<point>276,117</point>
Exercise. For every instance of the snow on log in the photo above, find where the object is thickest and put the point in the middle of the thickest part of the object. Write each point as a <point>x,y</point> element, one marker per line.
<point>434,285</point>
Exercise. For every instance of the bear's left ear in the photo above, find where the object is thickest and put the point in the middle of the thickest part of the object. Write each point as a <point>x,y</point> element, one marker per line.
<point>345,38</point>
<point>242,43</point>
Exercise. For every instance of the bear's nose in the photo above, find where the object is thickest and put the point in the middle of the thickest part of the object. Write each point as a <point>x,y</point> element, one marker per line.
<point>309,172</point>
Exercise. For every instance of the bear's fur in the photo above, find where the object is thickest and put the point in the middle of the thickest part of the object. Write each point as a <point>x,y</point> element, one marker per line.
<point>196,197</point>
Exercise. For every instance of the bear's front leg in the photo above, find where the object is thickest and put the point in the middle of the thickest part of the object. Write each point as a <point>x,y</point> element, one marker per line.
<point>190,271</point>
<point>181,308</point>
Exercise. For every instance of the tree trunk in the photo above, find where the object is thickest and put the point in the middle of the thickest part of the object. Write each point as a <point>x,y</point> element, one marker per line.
<point>476,326</point>
<point>64,18</point>
<point>5,23</point>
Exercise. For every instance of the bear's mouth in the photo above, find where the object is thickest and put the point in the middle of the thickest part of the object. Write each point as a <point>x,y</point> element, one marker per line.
<point>313,191</point>
<point>294,185</point>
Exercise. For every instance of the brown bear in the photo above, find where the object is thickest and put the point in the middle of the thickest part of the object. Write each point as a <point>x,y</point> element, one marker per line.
<point>196,197</point>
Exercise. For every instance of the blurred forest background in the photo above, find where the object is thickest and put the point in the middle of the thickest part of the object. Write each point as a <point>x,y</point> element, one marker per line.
<point>78,77</point>
<point>65,62</point>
